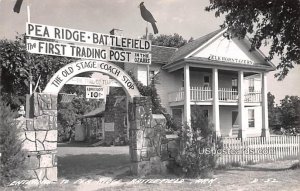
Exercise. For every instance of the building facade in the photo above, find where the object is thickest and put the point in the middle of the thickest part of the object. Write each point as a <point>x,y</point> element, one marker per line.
<point>216,77</point>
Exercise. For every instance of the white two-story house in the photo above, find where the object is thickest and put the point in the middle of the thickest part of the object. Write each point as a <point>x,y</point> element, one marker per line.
<point>216,77</point>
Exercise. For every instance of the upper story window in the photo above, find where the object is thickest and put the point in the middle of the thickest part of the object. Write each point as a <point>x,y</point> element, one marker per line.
<point>234,84</point>
<point>251,121</point>
<point>206,81</point>
<point>182,79</point>
<point>251,85</point>
<point>151,75</point>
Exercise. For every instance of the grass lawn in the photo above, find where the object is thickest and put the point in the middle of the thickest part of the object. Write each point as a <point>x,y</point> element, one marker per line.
<point>82,166</point>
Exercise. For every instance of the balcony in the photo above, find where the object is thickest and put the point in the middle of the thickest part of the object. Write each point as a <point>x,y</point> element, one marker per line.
<point>201,94</point>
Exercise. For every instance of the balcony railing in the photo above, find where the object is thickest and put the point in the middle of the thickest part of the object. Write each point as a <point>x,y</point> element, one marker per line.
<point>205,94</point>
<point>176,95</point>
<point>228,94</point>
<point>254,96</point>
<point>201,93</point>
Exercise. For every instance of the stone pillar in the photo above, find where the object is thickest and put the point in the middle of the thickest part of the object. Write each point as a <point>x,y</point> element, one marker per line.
<point>40,138</point>
<point>216,111</point>
<point>146,134</point>
<point>241,106</point>
<point>265,119</point>
<point>187,95</point>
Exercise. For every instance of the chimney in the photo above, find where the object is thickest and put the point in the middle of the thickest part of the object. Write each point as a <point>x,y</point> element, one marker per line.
<point>117,32</point>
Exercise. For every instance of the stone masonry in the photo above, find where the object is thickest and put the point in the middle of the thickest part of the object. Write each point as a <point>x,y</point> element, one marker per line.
<point>39,136</point>
<point>150,150</point>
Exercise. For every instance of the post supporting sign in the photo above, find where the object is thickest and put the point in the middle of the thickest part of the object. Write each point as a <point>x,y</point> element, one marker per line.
<point>103,52</point>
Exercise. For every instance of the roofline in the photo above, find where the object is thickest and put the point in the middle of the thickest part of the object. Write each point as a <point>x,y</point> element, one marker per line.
<point>261,53</point>
<point>165,47</point>
<point>204,44</point>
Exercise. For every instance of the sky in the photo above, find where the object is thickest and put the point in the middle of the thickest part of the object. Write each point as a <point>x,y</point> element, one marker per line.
<point>187,18</point>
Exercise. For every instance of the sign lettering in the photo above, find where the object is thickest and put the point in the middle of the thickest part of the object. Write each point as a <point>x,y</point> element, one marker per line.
<point>85,52</point>
<point>79,36</point>
<point>71,70</point>
<point>95,92</point>
<point>226,59</point>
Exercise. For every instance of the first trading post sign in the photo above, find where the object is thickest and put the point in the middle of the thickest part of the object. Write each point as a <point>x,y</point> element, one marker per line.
<point>104,52</point>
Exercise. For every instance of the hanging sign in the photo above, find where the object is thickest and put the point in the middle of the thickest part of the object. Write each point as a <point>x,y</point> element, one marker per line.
<point>79,36</point>
<point>93,92</point>
<point>85,52</point>
<point>84,81</point>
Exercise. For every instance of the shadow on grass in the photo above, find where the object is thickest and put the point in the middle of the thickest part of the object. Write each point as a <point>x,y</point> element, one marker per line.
<point>74,144</point>
<point>252,168</point>
<point>90,165</point>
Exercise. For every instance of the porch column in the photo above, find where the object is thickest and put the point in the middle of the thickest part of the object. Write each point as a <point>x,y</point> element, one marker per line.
<point>265,119</point>
<point>216,111</point>
<point>242,115</point>
<point>187,97</point>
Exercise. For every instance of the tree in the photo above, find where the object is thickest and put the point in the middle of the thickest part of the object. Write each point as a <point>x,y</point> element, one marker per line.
<point>174,40</point>
<point>69,114</point>
<point>12,160</point>
<point>271,109</point>
<point>273,21</point>
<point>290,112</point>
<point>17,65</point>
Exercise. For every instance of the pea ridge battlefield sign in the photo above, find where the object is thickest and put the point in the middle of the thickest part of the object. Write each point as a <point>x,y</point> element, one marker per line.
<point>102,46</point>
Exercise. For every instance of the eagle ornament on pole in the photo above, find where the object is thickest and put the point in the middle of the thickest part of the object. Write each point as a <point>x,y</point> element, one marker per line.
<point>147,16</point>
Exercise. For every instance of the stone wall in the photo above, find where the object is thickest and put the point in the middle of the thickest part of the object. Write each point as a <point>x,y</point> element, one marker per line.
<point>39,136</point>
<point>150,150</point>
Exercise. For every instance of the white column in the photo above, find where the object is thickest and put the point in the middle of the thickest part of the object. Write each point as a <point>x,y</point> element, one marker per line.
<point>216,110</point>
<point>187,95</point>
<point>242,115</point>
<point>265,119</point>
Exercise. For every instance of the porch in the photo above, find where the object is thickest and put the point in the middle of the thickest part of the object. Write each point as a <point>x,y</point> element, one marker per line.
<point>204,94</point>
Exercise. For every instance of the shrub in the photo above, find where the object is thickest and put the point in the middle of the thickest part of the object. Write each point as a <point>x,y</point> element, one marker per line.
<point>12,156</point>
<point>197,156</point>
<point>296,166</point>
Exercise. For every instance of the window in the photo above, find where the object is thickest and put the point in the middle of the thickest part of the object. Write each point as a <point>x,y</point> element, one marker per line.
<point>234,83</point>
<point>251,122</point>
<point>182,79</point>
<point>206,81</point>
<point>151,75</point>
<point>177,115</point>
<point>251,85</point>
<point>205,113</point>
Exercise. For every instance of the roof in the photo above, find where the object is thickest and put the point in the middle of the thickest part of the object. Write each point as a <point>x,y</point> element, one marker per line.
<point>188,48</point>
<point>161,54</point>
<point>98,112</point>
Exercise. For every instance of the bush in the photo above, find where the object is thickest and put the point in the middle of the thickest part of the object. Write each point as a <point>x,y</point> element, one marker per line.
<point>12,156</point>
<point>197,157</point>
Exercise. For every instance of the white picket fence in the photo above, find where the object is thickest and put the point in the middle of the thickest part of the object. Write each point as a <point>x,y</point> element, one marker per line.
<point>258,149</point>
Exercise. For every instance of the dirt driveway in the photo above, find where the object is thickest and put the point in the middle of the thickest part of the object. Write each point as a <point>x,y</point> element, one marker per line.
<point>79,160</point>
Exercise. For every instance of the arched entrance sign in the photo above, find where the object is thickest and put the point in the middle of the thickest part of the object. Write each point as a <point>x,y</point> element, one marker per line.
<point>70,70</point>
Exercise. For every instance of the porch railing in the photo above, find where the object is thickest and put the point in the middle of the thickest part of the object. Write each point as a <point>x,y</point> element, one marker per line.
<point>176,95</point>
<point>254,96</point>
<point>205,94</point>
<point>201,93</point>
<point>228,94</point>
